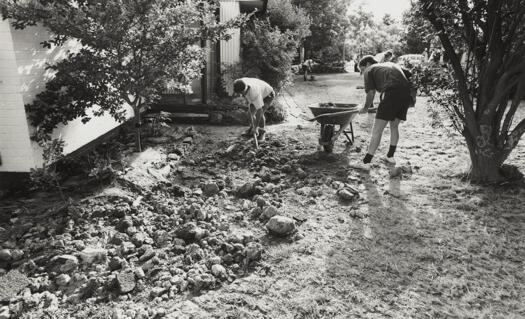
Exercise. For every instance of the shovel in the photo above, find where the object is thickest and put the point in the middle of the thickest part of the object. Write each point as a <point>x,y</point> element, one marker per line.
<point>254,132</point>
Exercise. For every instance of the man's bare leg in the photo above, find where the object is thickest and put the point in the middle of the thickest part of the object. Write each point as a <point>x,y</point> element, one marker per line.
<point>377,133</point>
<point>394,139</point>
<point>394,132</point>
<point>253,119</point>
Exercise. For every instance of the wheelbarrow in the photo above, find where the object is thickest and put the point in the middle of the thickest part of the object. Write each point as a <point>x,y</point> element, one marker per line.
<point>331,114</point>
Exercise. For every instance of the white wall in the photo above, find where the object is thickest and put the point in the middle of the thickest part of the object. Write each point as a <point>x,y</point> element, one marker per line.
<point>15,148</point>
<point>231,49</point>
<point>31,59</point>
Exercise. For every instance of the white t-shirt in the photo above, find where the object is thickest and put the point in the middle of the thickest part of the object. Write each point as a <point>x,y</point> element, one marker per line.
<point>257,91</point>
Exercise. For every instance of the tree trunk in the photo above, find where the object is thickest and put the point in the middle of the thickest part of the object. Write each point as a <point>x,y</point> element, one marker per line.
<point>485,163</point>
<point>138,124</point>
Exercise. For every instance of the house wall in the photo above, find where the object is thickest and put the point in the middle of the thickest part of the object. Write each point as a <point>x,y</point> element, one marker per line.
<point>31,59</point>
<point>231,49</point>
<point>15,148</point>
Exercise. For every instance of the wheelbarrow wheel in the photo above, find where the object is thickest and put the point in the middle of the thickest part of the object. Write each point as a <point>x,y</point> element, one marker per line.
<point>327,132</point>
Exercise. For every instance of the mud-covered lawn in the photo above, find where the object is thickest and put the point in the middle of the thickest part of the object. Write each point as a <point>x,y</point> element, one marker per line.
<point>423,245</point>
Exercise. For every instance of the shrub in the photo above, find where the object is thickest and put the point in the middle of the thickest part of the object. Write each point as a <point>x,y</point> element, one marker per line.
<point>269,52</point>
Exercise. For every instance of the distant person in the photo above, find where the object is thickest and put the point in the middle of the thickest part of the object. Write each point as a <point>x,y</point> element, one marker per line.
<point>388,78</point>
<point>259,96</point>
<point>307,69</point>
<point>384,56</point>
<point>356,65</point>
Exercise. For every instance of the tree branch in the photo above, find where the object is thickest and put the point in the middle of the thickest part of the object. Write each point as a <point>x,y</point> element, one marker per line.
<point>518,97</point>
<point>514,138</point>
<point>471,123</point>
<point>495,55</point>
<point>502,89</point>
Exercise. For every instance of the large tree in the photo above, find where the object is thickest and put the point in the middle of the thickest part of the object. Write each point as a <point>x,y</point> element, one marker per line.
<point>131,51</point>
<point>490,82</point>
<point>418,33</point>
<point>328,28</point>
<point>367,36</point>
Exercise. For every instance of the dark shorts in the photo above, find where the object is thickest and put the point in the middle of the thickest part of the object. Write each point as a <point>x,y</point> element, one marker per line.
<point>394,104</point>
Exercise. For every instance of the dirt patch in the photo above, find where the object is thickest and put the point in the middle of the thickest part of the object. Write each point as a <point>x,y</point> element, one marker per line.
<point>182,232</point>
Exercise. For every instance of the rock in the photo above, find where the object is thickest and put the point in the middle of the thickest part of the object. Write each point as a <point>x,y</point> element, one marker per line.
<point>301,173</point>
<point>5,255</point>
<point>194,253</point>
<point>11,284</point>
<point>261,202</point>
<point>395,172</point>
<point>4,312</point>
<point>186,231</point>
<point>346,195</point>
<point>475,201</point>
<point>201,233</point>
<point>126,282</point>
<point>119,238</point>
<point>253,251</point>
<point>141,238</point>
<point>139,273</point>
<point>173,157</point>
<point>157,291</point>
<point>118,314</point>
<point>92,255</point>
<point>63,280</point>
<point>66,263</point>
<point>219,271</point>
<point>235,238</point>
<point>210,189</point>
<point>214,261</point>
<point>256,213</point>
<point>124,224</point>
<point>148,254</point>
<point>280,225</point>
<point>248,190</point>
<point>305,191</point>
<point>268,212</point>
<point>126,248</point>
<point>115,263</point>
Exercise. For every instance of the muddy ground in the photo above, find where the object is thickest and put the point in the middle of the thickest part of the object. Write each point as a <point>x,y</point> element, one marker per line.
<point>422,245</point>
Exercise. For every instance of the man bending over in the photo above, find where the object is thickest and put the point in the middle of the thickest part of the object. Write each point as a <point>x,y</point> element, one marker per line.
<point>387,78</point>
<point>259,95</point>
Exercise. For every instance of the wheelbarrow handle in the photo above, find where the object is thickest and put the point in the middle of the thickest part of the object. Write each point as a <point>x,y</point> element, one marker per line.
<point>333,114</point>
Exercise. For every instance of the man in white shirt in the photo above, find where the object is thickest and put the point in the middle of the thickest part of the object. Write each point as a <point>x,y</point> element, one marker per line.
<point>259,95</point>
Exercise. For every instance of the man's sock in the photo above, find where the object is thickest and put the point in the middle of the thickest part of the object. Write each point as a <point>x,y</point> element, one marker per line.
<point>391,151</point>
<point>368,158</point>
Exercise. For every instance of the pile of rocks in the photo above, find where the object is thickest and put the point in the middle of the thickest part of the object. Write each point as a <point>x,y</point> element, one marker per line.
<point>112,246</point>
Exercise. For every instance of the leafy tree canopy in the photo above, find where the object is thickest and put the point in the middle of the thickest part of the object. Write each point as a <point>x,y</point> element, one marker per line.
<point>132,50</point>
<point>289,17</point>
<point>366,36</point>
<point>329,25</point>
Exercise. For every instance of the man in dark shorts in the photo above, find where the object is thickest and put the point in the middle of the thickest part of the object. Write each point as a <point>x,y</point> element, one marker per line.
<point>387,78</point>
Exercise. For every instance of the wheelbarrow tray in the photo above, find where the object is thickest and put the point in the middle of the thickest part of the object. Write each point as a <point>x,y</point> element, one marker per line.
<point>340,114</point>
